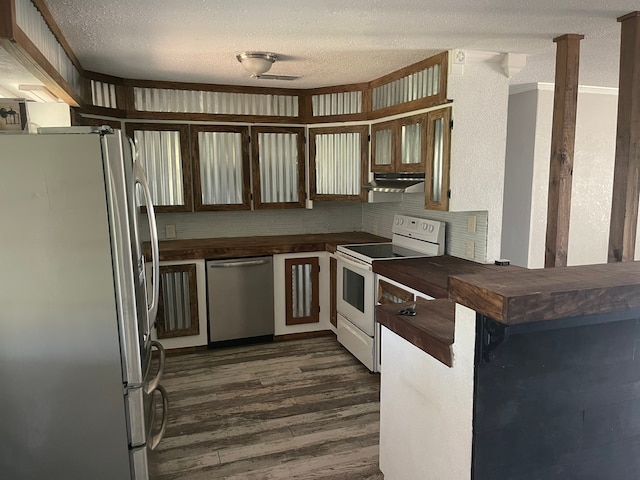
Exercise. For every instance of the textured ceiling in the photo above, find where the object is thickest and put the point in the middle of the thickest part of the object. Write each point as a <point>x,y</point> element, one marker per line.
<point>330,42</point>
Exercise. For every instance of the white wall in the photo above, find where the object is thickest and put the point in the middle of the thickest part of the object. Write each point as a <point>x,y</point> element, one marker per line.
<point>527,170</point>
<point>426,407</point>
<point>478,142</point>
<point>516,213</point>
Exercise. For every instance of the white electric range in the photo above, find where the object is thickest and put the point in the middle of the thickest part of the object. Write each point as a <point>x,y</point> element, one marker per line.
<point>413,237</point>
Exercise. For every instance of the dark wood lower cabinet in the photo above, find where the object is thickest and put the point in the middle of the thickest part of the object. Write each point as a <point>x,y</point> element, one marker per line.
<point>558,400</point>
<point>333,287</point>
<point>302,284</point>
<point>178,303</point>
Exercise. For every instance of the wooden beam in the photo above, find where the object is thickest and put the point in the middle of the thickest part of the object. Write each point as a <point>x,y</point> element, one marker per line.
<point>624,206</point>
<point>563,134</point>
<point>7,18</point>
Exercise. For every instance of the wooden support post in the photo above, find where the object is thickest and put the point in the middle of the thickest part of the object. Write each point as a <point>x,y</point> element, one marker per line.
<point>563,134</point>
<point>624,206</point>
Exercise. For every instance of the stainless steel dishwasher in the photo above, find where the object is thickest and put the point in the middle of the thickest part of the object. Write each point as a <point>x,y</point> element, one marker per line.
<point>240,299</point>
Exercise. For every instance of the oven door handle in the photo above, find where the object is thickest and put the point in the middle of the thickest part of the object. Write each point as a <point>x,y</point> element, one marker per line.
<point>354,263</point>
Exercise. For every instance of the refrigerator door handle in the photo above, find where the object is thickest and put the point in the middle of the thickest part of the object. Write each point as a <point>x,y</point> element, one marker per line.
<point>151,385</point>
<point>152,308</point>
<point>156,436</point>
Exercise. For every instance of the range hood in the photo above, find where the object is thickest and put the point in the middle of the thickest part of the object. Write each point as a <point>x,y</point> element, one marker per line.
<point>396,183</point>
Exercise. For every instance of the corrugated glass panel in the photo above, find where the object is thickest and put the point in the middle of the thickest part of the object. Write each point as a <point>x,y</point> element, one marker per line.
<point>278,167</point>
<point>340,103</point>
<point>302,294</point>
<point>222,103</point>
<point>159,152</point>
<point>411,143</point>
<point>175,297</point>
<point>33,24</point>
<point>103,94</point>
<point>384,145</point>
<point>220,167</point>
<point>338,160</point>
<point>422,84</point>
<point>438,158</point>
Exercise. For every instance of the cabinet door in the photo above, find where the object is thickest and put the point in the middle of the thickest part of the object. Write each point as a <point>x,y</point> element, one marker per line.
<point>302,284</point>
<point>389,293</point>
<point>338,162</point>
<point>438,155</point>
<point>278,167</point>
<point>383,147</point>
<point>163,151</point>
<point>221,167</point>
<point>413,144</point>
<point>178,303</point>
<point>333,291</point>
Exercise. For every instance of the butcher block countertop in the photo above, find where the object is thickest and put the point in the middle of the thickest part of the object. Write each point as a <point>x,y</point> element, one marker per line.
<point>237,247</point>
<point>431,275</point>
<point>507,294</point>
<point>520,296</point>
<point>431,329</point>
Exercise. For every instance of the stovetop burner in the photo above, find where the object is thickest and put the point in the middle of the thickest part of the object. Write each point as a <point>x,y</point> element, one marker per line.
<point>377,251</point>
<point>412,238</point>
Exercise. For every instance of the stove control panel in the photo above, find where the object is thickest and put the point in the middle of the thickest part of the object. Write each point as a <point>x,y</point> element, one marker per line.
<point>419,228</point>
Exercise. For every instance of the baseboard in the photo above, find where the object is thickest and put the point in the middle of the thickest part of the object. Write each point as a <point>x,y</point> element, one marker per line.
<point>185,350</point>
<point>303,335</point>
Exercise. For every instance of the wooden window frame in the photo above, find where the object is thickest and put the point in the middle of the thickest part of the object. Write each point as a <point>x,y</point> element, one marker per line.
<point>246,168</point>
<point>194,328</point>
<point>258,204</point>
<point>363,130</point>
<point>443,204</point>
<point>314,317</point>
<point>183,130</point>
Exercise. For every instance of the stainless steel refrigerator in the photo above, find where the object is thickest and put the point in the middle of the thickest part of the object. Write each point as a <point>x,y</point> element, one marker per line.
<point>79,392</point>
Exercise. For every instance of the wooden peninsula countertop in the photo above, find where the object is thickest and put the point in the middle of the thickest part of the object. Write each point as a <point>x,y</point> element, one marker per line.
<point>430,275</point>
<point>237,247</point>
<point>519,296</point>
<point>507,294</point>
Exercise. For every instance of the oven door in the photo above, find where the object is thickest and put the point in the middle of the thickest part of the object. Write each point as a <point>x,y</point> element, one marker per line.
<point>355,292</point>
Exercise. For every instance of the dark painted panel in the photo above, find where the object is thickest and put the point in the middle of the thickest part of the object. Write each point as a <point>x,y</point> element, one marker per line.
<point>560,404</point>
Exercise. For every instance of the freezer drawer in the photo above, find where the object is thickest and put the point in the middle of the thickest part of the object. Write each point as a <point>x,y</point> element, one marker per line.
<point>240,298</point>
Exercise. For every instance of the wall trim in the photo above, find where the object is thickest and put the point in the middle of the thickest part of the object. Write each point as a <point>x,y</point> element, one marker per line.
<point>526,87</point>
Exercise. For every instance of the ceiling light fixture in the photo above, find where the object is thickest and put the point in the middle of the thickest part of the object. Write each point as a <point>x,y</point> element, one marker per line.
<point>256,63</point>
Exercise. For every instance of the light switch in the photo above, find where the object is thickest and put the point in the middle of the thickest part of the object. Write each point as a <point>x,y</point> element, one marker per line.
<point>170,231</point>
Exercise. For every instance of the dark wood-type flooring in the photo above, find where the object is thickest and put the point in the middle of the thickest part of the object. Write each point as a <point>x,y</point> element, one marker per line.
<point>298,409</point>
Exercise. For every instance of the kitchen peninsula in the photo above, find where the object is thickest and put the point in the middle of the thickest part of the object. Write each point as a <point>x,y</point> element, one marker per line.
<point>544,379</point>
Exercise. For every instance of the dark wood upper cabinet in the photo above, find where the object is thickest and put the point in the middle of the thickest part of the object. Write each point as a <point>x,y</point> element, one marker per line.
<point>278,167</point>
<point>338,163</point>
<point>399,146</point>
<point>438,159</point>
<point>163,150</point>
<point>221,168</point>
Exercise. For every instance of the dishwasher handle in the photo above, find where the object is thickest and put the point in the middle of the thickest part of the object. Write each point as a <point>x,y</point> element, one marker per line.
<point>242,263</point>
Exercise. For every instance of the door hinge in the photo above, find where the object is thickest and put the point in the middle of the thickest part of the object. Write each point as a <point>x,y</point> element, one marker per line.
<point>449,193</point>
<point>451,124</point>
<point>368,138</point>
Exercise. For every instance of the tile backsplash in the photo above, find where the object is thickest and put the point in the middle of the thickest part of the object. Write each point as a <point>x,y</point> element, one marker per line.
<point>377,218</point>
<point>329,217</point>
<point>323,218</point>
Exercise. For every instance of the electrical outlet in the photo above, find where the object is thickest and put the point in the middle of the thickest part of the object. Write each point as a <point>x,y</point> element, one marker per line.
<point>471,224</point>
<point>170,231</point>
<point>471,249</point>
